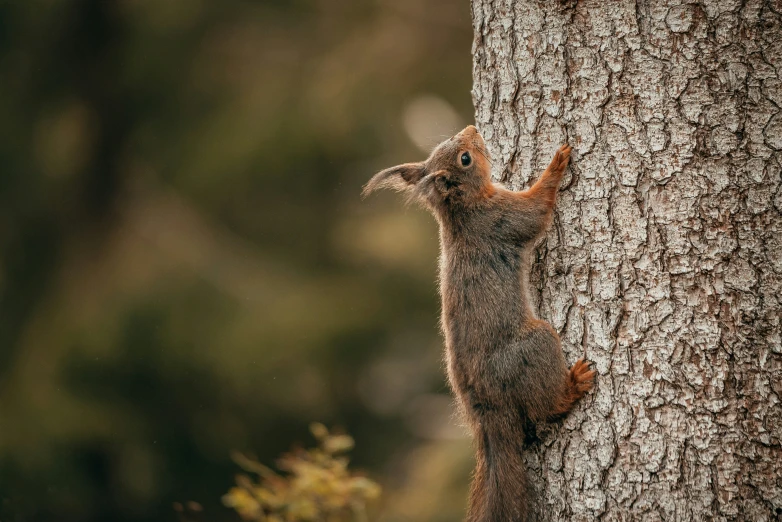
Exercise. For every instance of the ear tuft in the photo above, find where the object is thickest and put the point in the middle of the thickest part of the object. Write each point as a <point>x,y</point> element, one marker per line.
<point>397,178</point>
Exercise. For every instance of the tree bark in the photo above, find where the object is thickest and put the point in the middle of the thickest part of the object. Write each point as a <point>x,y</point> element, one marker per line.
<point>664,263</point>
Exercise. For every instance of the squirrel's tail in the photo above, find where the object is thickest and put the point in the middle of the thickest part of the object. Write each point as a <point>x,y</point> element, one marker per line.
<point>499,487</point>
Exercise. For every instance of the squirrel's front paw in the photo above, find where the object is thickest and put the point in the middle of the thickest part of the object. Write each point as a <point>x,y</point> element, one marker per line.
<point>560,161</point>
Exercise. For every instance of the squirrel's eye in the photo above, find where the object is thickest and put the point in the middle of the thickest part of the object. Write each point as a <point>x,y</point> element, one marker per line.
<point>466,159</point>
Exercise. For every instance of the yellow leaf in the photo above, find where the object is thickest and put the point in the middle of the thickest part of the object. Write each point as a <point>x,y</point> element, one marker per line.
<point>338,443</point>
<point>243,502</point>
<point>319,430</point>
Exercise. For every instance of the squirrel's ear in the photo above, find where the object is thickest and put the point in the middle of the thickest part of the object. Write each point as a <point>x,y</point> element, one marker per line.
<point>398,178</point>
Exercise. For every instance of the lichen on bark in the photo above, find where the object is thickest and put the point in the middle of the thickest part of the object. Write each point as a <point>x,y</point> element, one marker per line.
<point>664,263</point>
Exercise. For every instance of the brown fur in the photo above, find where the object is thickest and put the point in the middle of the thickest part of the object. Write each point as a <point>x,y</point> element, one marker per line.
<point>505,365</point>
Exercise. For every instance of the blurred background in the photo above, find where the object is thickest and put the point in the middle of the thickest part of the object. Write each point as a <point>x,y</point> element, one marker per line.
<point>186,266</point>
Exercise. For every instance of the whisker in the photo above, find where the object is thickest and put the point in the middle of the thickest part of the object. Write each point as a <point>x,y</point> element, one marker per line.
<point>484,154</point>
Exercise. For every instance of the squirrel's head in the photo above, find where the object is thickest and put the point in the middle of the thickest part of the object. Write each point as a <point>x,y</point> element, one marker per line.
<point>457,173</point>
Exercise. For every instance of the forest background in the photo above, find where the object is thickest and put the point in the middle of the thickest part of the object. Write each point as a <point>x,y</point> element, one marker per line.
<point>186,267</point>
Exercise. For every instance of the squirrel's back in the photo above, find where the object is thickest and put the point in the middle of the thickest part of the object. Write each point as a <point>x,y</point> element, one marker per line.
<point>484,276</point>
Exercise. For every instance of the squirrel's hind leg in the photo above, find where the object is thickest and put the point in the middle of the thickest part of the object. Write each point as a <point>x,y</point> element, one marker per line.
<point>580,380</point>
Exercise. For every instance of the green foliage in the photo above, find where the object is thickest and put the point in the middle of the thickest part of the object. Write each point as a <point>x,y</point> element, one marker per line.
<point>317,486</point>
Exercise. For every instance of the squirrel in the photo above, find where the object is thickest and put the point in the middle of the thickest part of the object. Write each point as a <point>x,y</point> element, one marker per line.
<point>505,365</point>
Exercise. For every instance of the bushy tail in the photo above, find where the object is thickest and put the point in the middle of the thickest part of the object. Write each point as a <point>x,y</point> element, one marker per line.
<point>499,487</point>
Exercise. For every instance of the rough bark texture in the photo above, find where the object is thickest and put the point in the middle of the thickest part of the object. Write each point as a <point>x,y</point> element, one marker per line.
<point>664,263</point>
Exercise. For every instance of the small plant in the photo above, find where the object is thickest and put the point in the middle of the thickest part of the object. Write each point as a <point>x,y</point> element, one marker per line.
<point>317,485</point>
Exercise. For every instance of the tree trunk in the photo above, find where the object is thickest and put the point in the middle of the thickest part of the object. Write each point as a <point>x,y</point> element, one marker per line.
<point>664,263</point>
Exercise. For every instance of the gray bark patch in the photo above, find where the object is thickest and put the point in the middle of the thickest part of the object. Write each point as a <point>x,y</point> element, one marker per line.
<point>664,263</point>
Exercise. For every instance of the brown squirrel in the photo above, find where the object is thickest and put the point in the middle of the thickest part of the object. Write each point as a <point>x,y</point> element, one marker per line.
<point>505,365</point>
